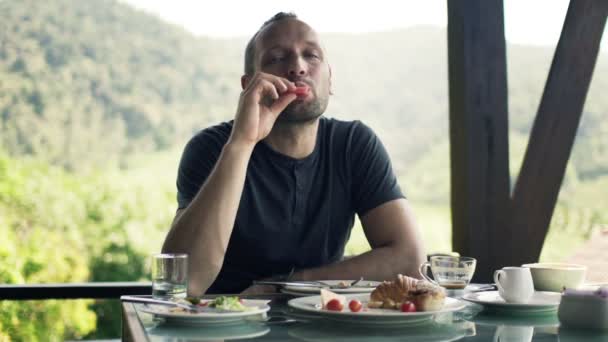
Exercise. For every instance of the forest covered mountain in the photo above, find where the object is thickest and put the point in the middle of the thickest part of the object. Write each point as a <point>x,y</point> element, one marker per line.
<point>90,82</point>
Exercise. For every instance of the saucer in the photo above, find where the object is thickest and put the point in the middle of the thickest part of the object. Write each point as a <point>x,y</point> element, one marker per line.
<point>541,302</point>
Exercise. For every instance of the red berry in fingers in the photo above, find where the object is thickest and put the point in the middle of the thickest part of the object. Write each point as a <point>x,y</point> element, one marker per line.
<point>408,307</point>
<point>334,305</point>
<point>300,91</point>
<point>355,305</point>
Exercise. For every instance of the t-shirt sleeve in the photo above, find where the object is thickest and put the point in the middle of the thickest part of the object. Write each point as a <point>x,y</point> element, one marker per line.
<point>198,159</point>
<point>373,179</point>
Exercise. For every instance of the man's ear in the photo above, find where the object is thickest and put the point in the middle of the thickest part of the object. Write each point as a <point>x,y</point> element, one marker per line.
<point>245,81</point>
<point>330,91</point>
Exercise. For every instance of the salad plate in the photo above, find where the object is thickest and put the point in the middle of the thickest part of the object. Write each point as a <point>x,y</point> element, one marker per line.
<point>246,330</point>
<point>228,312</point>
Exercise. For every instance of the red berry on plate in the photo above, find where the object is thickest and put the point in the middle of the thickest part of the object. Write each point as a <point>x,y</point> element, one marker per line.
<point>355,305</point>
<point>408,307</point>
<point>334,305</point>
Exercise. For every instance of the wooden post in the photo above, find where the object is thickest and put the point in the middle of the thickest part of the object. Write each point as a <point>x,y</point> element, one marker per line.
<point>555,126</point>
<point>487,224</point>
<point>478,131</point>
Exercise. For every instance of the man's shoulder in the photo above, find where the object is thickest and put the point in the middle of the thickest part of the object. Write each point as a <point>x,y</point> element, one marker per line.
<point>217,134</point>
<point>347,128</point>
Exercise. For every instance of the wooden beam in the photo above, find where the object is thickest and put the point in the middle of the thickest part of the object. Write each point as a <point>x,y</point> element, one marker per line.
<point>480,182</point>
<point>555,126</point>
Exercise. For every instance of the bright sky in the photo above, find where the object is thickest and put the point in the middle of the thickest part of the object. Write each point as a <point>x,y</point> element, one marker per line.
<point>536,22</point>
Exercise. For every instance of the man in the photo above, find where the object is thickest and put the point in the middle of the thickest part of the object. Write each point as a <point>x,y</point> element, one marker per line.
<point>273,194</point>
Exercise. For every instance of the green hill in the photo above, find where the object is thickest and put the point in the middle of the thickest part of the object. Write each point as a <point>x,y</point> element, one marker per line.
<point>90,82</point>
<point>85,82</point>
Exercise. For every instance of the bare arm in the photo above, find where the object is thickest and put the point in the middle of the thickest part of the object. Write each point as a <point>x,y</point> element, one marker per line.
<point>203,229</point>
<point>396,247</point>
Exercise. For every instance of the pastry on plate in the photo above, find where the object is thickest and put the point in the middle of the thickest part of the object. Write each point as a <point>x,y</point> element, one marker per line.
<point>392,294</point>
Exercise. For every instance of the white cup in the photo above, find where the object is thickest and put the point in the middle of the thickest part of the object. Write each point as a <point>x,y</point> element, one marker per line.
<point>507,333</point>
<point>514,284</point>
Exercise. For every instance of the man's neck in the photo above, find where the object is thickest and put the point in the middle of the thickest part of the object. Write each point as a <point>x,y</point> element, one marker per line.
<point>294,140</point>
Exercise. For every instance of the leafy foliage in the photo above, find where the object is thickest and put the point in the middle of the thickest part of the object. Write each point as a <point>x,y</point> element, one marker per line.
<point>59,228</point>
<point>40,244</point>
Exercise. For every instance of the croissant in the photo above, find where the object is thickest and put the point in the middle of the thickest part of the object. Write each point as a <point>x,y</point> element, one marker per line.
<point>398,290</point>
<point>390,294</point>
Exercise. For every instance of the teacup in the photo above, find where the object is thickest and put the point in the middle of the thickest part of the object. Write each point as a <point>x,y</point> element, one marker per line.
<point>450,272</point>
<point>514,284</point>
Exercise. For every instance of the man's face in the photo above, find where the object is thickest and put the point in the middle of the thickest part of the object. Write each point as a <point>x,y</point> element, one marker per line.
<point>289,48</point>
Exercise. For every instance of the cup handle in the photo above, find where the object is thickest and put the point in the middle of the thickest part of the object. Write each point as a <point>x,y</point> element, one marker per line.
<point>423,272</point>
<point>497,276</point>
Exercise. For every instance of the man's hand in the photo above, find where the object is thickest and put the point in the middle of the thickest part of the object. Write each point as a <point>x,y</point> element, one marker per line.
<point>263,99</point>
<point>259,289</point>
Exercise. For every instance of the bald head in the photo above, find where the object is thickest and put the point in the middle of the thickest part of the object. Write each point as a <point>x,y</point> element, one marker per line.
<point>250,50</point>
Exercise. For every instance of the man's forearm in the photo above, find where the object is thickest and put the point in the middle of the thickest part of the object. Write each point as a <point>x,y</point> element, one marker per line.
<point>204,228</point>
<point>381,263</point>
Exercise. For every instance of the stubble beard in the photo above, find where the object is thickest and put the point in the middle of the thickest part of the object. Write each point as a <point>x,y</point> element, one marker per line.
<point>299,112</point>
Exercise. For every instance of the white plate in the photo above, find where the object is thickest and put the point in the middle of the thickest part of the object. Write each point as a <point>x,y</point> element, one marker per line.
<point>457,293</point>
<point>541,302</point>
<point>330,331</point>
<point>201,318</point>
<point>366,286</point>
<point>537,321</point>
<point>371,316</point>
<point>165,332</point>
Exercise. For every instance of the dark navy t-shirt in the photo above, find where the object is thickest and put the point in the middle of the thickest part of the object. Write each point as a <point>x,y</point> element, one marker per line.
<point>293,212</point>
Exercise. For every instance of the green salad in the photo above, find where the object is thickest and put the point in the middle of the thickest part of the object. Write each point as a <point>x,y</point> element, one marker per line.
<point>226,303</point>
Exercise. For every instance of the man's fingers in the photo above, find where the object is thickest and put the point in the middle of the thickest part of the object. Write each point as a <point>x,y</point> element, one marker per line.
<point>281,84</point>
<point>259,289</point>
<point>266,89</point>
<point>273,92</point>
<point>279,105</point>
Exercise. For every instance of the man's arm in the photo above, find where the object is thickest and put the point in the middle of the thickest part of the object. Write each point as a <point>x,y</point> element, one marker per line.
<point>203,229</point>
<point>396,247</point>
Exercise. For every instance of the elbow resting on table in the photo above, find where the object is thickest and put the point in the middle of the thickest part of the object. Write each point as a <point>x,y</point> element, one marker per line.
<point>409,260</point>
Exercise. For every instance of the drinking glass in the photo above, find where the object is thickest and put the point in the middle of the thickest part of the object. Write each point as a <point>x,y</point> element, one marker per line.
<point>169,276</point>
<point>451,272</point>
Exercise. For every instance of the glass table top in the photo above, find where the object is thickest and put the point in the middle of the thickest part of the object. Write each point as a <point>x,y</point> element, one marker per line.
<point>283,323</point>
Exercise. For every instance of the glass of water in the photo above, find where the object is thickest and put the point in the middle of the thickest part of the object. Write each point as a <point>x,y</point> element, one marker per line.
<point>169,276</point>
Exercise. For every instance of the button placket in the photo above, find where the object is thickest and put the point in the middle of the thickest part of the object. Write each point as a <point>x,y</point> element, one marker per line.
<point>299,200</point>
